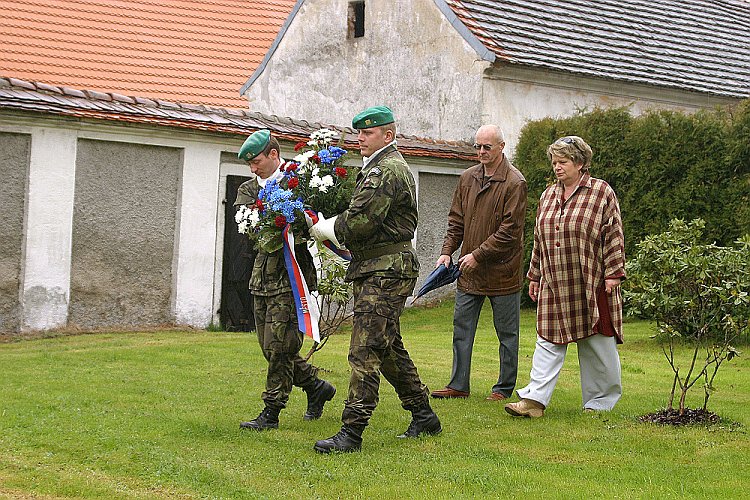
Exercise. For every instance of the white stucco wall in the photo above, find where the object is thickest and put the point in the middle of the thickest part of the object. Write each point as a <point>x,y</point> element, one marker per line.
<point>516,95</point>
<point>200,165</point>
<point>196,237</point>
<point>410,59</point>
<point>45,274</point>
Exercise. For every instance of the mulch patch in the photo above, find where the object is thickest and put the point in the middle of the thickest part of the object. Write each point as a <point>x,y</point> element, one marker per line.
<point>689,417</point>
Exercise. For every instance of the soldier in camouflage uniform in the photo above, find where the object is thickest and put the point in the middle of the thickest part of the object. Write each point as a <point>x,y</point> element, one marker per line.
<point>377,228</point>
<point>273,303</point>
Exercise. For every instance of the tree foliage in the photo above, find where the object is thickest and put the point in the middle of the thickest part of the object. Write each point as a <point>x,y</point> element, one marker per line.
<point>696,292</point>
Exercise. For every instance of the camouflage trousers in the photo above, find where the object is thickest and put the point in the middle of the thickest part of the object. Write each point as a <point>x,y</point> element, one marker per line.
<point>376,347</point>
<point>280,340</point>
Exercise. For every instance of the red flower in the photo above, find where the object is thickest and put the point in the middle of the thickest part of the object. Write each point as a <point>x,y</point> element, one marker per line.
<point>340,171</point>
<point>315,158</point>
<point>280,221</point>
<point>291,167</point>
<point>259,204</point>
<point>300,145</point>
<point>293,183</point>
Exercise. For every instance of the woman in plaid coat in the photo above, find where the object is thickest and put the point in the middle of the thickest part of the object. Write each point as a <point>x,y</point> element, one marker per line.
<point>576,267</point>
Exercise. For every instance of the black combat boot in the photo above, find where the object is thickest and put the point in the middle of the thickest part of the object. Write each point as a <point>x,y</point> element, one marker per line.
<point>423,421</point>
<point>317,396</point>
<point>268,419</point>
<point>349,438</point>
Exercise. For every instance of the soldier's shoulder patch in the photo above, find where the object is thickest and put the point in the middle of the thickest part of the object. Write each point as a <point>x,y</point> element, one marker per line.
<point>375,171</point>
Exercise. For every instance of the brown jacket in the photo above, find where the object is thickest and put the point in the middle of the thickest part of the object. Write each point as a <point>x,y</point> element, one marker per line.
<point>488,219</point>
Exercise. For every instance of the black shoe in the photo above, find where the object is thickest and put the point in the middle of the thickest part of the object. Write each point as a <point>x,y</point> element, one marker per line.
<point>268,419</point>
<point>423,421</point>
<point>346,440</point>
<point>320,393</point>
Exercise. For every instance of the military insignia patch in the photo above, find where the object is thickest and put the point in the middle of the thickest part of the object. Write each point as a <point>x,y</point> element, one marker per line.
<point>373,178</point>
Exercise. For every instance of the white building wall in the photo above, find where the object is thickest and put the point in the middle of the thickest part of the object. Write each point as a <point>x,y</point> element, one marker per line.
<point>514,96</point>
<point>44,289</point>
<point>410,58</point>
<point>413,59</point>
<point>196,253</point>
<point>45,275</point>
<point>45,284</point>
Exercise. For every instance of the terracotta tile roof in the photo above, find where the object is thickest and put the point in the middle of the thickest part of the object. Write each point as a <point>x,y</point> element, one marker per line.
<point>21,95</point>
<point>194,51</point>
<point>698,45</point>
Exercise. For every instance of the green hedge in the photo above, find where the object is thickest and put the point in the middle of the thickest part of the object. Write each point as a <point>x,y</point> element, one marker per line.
<point>662,165</point>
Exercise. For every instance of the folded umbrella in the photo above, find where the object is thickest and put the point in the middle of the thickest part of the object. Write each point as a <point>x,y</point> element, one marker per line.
<point>441,276</point>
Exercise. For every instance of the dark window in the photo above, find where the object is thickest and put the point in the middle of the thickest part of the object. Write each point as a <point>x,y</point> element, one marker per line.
<point>356,20</point>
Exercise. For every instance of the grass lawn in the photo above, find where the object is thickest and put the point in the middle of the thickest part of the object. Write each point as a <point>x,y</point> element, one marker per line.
<point>156,415</point>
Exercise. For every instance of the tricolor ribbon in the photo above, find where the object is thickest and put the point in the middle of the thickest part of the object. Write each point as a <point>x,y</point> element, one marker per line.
<point>308,314</point>
<point>341,252</point>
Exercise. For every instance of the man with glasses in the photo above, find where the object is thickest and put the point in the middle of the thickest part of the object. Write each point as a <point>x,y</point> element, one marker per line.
<point>486,220</point>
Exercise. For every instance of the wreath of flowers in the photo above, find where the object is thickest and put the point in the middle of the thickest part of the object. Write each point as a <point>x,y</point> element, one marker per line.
<point>317,179</point>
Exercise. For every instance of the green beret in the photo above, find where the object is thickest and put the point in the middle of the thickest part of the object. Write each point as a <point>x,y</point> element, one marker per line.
<point>373,117</point>
<point>254,145</point>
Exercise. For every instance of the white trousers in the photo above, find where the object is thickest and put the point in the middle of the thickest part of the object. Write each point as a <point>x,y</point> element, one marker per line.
<point>601,385</point>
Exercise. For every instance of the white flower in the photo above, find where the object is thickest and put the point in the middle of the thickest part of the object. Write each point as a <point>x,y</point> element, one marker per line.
<point>323,136</point>
<point>246,217</point>
<point>239,216</point>
<point>304,158</point>
<point>321,183</point>
<point>253,218</point>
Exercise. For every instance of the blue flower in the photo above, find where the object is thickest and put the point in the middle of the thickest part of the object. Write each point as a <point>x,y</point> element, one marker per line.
<point>337,152</point>
<point>330,154</point>
<point>266,192</point>
<point>280,200</point>
<point>325,156</point>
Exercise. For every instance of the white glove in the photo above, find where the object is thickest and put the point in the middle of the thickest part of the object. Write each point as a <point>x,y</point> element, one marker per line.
<point>323,230</point>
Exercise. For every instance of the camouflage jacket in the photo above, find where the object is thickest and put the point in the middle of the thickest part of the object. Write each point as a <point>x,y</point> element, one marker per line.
<point>269,276</point>
<point>383,212</point>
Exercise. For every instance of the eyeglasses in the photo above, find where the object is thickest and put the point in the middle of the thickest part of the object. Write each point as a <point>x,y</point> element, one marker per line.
<point>486,147</point>
<point>570,140</point>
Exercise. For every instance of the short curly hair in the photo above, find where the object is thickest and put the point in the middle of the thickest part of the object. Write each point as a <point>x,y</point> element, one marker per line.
<point>573,148</point>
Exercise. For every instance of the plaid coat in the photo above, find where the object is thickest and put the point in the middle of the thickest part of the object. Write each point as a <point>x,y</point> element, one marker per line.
<point>577,244</point>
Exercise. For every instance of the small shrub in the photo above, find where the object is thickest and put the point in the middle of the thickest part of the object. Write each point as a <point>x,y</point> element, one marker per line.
<point>696,292</point>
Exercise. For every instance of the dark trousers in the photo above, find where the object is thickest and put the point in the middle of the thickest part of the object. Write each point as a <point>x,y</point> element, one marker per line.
<point>376,347</point>
<point>506,317</point>
<point>280,340</point>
